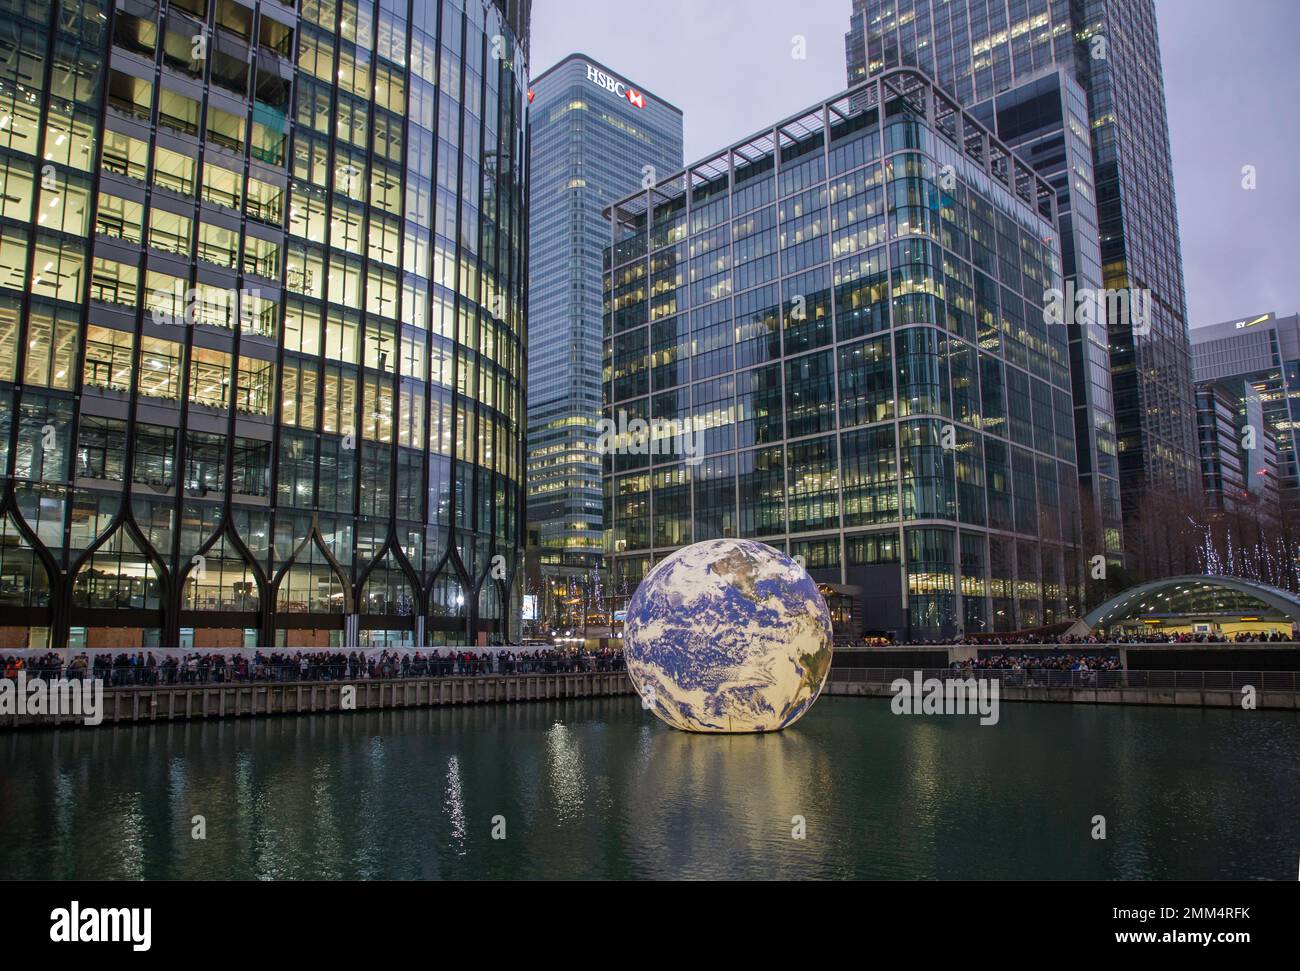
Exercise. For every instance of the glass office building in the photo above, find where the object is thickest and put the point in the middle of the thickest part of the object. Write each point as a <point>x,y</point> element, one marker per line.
<point>1260,357</point>
<point>594,137</point>
<point>1109,50</point>
<point>846,312</point>
<point>262,291</point>
<point>1238,450</point>
<point>1045,121</point>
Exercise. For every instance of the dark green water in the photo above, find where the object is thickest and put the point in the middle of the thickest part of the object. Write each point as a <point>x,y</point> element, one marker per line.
<point>601,789</point>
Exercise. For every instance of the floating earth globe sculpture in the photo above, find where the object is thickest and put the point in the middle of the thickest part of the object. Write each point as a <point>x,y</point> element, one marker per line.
<point>728,636</point>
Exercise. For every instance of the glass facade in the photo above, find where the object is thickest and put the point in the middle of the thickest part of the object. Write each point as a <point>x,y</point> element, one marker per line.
<point>1216,427</point>
<point>849,309</point>
<point>1259,356</point>
<point>1045,120</point>
<point>261,322</point>
<point>1119,221</point>
<point>594,137</point>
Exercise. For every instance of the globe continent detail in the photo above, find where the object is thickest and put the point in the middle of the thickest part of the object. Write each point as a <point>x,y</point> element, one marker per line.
<point>728,636</point>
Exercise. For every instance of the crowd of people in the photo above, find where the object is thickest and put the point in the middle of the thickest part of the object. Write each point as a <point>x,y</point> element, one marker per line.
<point>144,667</point>
<point>1064,640</point>
<point>1047,662</point>
<point>1274,637</point>
<point>1043,670</point>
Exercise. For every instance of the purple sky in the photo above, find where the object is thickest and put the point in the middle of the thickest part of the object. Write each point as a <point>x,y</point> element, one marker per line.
<point>727,64</point>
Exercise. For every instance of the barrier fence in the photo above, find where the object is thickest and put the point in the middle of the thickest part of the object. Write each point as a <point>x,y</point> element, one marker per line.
<point>207,672</point>
<point>1053,678</point>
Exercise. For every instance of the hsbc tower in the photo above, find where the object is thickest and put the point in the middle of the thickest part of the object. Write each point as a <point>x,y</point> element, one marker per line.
<point>595,136</point>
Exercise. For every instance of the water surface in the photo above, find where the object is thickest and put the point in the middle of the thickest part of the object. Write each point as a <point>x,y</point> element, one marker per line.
<point>600,789</point>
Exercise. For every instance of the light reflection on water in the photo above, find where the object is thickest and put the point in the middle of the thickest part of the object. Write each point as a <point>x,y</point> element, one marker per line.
<point>455,805</point>
<point>568,790</point>
<point>599,788</point>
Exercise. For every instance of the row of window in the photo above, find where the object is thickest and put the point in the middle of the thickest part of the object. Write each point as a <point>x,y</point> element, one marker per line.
<point>877,476</point>
<point>918,372</point>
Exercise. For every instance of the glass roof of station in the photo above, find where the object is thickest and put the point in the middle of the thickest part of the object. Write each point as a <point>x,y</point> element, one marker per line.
<point>1194,597</point>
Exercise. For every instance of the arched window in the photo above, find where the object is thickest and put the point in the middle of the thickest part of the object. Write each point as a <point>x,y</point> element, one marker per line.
<point>311,585</point>
<point>118,574</point>
<point>448,596</point>
<point>23,580</point>
<point>387,590</point>
<point>221,579</point>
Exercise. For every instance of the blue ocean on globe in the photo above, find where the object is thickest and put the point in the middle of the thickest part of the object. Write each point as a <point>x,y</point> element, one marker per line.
<point>728,635</point>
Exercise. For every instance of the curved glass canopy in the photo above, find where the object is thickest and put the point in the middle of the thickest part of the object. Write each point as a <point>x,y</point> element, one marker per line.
<point>1225,604</point>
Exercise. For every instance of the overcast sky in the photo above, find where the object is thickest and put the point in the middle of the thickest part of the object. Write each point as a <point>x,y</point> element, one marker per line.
<point>1230,79</point>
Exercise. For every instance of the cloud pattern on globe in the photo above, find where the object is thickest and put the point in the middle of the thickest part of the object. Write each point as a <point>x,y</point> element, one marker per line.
<point>728,636</point>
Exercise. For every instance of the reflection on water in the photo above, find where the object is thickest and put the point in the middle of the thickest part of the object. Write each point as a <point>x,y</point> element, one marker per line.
<point>564,761</point>
<point>600,788</point>
<point>455,805</point>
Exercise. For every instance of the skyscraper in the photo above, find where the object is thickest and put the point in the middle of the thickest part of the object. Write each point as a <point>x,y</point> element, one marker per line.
<point>845,312</point>
<point>595,137</point>
<point>1108,51</point>
<point>262,290</point>
<point>1259,356</point>
<point>1238,450</point>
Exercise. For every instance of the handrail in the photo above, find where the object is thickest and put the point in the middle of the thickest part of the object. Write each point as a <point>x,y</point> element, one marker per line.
<point>1074,647</point>
<point>1055,678</point>
<point>181,675</point>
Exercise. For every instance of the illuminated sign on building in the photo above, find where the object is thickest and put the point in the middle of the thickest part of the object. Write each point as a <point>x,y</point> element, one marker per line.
<point>1243,324</point>
<point>612,84</point>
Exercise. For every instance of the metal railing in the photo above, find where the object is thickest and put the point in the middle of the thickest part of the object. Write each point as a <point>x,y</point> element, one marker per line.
<point>1052,678</point>
<point>1013,646</point>
<point>209,673</point>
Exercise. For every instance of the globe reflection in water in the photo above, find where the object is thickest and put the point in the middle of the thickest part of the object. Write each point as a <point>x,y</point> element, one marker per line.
<point>728,636</point>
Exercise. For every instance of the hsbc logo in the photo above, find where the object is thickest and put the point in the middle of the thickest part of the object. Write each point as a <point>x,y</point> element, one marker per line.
<point>615,86</point>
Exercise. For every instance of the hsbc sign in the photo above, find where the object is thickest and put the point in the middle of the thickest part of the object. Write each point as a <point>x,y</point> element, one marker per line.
<point>619,88</point>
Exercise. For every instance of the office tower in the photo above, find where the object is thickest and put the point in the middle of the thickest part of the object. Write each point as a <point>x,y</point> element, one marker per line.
<point>1238,454</point>
<point>1045,121</point>
<point>594,138</point>
<point>1136,424</point>
<point>262,288</point>
<point>845,314</point>
<point>1259,356</point>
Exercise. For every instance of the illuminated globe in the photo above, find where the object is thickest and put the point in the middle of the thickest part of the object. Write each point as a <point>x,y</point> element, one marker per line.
<point>728,636</point>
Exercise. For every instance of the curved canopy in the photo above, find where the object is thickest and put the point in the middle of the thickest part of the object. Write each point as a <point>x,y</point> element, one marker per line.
<point>1188,597</point>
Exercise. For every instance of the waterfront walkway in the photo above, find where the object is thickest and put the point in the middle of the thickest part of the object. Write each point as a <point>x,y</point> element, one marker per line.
<point>178,667</point>
<point>1204,689</point>
<point>200,686</point>
<point>165,703</point>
